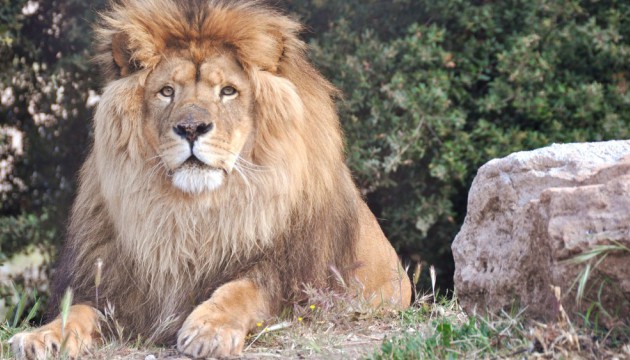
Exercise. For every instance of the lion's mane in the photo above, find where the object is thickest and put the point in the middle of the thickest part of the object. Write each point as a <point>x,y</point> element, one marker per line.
<point>164,251</point>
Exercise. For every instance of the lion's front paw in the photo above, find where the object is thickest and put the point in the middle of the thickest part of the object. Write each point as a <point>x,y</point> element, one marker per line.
<point>208,332</point>
<point>50,341</point>
<point>36,344</point>
<point>46,343</point>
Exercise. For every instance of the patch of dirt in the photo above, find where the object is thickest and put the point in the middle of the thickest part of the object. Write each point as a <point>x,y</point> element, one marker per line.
<point>350,339</point>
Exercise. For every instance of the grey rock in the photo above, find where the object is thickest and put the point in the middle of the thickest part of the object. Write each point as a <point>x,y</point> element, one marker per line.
<point>530,214</point>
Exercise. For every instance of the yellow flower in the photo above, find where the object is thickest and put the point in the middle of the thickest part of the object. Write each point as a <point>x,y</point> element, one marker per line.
<point>259,324</point>
<point>299,318</point>
<point>312,307</point>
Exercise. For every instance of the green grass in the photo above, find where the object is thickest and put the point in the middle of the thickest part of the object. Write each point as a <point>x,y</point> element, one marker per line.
<point>590,260</point>
<point>442,331</point>
<point>16,321</point>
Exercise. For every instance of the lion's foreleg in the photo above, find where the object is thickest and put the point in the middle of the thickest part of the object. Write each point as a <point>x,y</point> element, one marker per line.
<point>78,336</point>
<point>382,278</point>
<point>218,326</point>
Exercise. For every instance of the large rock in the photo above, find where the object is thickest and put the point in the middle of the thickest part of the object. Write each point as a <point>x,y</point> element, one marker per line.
<point>529,214</point>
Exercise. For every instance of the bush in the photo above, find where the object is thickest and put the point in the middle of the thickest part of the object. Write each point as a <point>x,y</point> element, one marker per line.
<point>435,89</point>
<point>45,81</point>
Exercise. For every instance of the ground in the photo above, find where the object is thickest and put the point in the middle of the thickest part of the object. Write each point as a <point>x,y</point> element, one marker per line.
<point>331,327</point>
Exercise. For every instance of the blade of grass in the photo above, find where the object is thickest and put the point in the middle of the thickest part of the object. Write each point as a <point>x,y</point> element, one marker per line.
<point>31,314</point>
<point>19,309</point>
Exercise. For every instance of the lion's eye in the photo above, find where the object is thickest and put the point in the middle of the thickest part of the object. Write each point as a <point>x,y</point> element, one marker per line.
<point>228,91</point>
<point>167,91</point>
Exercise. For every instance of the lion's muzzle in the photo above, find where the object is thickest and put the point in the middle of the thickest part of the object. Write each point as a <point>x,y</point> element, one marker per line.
<point>199,167</point>
<point>192,130</point>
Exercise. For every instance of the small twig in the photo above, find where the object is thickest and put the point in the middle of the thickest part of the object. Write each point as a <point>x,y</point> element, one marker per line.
<point>523,350</point>
<point>267,329</point>
<point>264,354</point>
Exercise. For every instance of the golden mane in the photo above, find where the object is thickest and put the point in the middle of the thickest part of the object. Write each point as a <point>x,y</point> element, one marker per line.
<point>294,218</point>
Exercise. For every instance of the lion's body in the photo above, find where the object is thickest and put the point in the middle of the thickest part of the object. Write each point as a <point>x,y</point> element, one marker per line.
<point>266,207</point>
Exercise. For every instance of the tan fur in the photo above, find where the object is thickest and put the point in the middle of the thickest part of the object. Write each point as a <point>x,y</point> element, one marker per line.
<point>218,326</point>
<point>200,264</point>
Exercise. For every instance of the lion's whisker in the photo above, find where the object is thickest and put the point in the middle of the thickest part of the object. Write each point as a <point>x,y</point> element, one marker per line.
<point>153,158</point>
<point>155,169</point>
<point>247,183</point>
<point>248,164</point>
<point>250,169</point>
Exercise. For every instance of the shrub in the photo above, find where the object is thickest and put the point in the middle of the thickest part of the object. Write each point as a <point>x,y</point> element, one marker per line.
<point>434,89</point>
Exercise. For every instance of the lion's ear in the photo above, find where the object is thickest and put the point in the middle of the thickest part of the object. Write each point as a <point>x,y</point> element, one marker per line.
<point>266,44</point>
<point>276,51</point>
<point>122,55</point>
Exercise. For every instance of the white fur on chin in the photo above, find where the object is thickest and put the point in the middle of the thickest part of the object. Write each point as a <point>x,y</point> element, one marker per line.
<point>196,180</point>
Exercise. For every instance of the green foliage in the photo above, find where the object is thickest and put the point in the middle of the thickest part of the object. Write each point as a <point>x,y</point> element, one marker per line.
<point>18,234</point>
<point>435,89</point>
<point>45,79</point>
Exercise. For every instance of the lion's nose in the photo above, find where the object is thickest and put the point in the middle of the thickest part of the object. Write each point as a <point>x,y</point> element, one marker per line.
<point>192,130</point>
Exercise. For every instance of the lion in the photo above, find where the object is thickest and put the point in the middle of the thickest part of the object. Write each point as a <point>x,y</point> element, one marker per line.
<point>216,188</point>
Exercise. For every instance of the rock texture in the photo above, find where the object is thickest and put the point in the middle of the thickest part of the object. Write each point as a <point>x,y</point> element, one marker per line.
<point>529,213</point>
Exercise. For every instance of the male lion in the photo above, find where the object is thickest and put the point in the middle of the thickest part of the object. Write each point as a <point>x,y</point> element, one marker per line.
<point>216,188</point>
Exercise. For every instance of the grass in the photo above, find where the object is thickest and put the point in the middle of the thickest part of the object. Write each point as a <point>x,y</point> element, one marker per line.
<point>591,260</point>
<point>442,331</point>
<point>18,321</point>
<point>448,333</point>
<point>331,326</point>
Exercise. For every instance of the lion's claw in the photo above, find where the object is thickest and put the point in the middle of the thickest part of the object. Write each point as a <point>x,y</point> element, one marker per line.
<point>201,338</point>
<point>39,345</point>
<point>46,342</point>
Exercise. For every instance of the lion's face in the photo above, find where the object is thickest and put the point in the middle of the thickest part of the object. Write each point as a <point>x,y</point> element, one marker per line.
<point>201,118</point>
